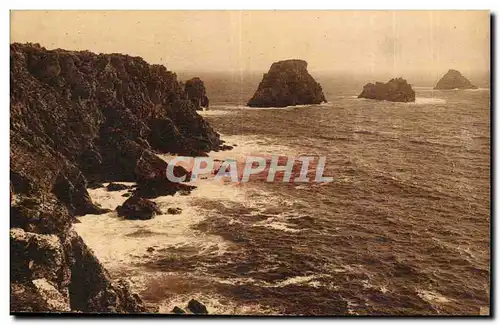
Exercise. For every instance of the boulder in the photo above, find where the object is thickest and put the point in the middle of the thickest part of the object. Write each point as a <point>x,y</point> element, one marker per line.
<point>396,90</point>
<point>138,208</point>
<point>288,83</point>
<point>197,307</point>
<point>453,79</point>
<point>174,211</point>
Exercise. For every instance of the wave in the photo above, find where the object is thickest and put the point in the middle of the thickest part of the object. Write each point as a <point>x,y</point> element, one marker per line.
<point>429,100</point>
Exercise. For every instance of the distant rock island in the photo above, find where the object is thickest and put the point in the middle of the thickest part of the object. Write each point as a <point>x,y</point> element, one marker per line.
<point>453,79</point>
<point>287,84</point>
<point>396,90</point>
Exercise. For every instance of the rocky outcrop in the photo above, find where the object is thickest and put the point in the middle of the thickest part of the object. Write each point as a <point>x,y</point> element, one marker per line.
<point>453,79</point>
<point>196,93</point>
<point>79,118</point>
<point>396,90</point>
<point>287,84</point>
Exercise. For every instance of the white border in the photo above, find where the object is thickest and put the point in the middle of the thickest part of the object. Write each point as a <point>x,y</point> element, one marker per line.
<point>197,4</point>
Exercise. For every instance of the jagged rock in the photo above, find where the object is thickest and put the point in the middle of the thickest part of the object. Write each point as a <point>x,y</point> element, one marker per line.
<point>79,119</point>
<point>138,208</point>
<point>453,79</point>
<point>396,90</point>
<point>287,84</point>
<point>116,187</point>
<point>174,211</point>
<point>197,307</point>
<point>178,310</point>
<point>52,273</point>
<point>196,93</point>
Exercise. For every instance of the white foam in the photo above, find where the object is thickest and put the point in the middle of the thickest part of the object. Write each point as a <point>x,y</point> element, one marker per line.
<point>429,100</point>
<point>119,243</point>
<point>214,112</point>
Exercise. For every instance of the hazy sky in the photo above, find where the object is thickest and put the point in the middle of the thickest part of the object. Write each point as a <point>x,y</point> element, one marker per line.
<point>395,42</point>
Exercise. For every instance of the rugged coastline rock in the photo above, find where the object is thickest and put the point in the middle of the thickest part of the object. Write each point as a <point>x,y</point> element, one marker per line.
<point>196,93</point>
<point>395,90</point>
<point>288,83</point>
<point>453,79</point>
<point>79,118</point>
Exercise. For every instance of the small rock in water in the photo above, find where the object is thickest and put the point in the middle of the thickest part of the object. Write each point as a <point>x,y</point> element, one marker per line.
<point>174,211</point>
<point>178,310</point>
<point>137,208</point>
<point>197,307</point>
<point>116,187</point>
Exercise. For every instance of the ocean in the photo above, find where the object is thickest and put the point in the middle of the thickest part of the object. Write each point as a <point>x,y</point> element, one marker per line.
<point>403,229</point>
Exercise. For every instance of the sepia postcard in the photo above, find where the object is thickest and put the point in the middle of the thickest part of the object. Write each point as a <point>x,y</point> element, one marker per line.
<point>255,163</point>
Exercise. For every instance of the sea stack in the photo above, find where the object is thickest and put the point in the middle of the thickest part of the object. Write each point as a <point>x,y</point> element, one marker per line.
<point>396,90</point>
<point>196,93</point>
<point>453,79</point>
<point>287,84</point>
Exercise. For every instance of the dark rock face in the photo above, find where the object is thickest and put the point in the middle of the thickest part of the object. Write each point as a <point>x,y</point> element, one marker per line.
<point>287,84</point>
<point>453,79</point>
<point>396,90</point>
<point>197,307</point>
<point>138,208</point>
<point>196,93</point>
<point>50,272</point>
<point>79,118</point>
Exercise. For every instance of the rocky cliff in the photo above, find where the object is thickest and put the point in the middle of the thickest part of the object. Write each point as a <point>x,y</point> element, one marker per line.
<point>79,118</point>
<point>453,79</point>
<point>288,83</point>
<point>396,90</point>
